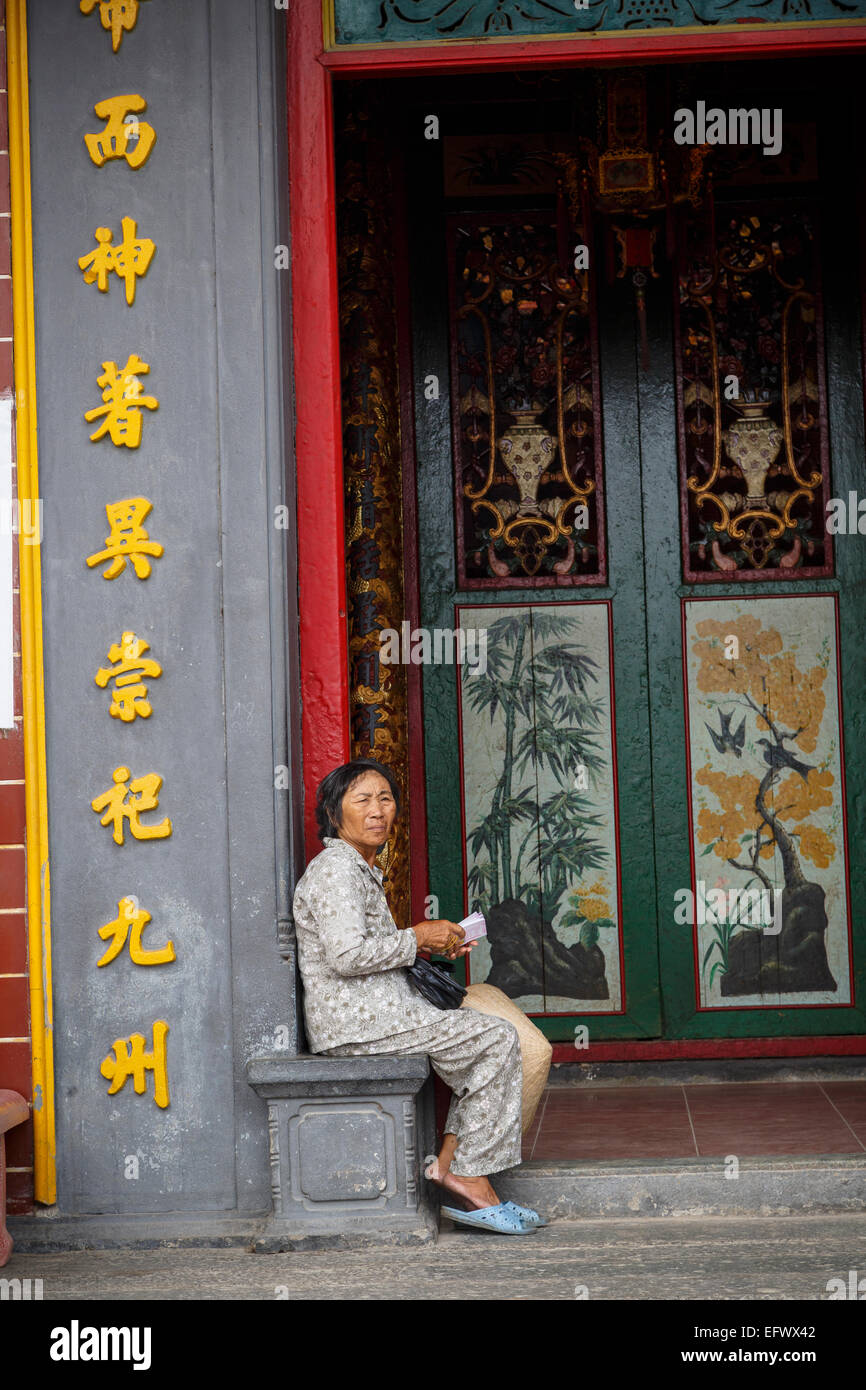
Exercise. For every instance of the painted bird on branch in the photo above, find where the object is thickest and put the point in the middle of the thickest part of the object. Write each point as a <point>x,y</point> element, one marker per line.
<point>726,742</point>
<point>777,757</point>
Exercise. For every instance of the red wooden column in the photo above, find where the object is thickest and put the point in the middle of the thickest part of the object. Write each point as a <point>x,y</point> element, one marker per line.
<point>318,427</point>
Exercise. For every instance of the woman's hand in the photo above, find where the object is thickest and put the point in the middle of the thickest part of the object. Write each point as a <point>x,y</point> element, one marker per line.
<point>443,937</point>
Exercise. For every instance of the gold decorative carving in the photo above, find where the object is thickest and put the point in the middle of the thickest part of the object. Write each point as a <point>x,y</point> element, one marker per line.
<point>372,469</point>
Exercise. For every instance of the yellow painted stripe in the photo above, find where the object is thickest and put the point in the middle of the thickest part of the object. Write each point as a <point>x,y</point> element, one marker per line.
<point>35,780</point>
<point>329,30</point>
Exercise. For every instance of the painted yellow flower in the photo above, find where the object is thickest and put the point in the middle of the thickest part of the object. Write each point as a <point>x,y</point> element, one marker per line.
<point>816,845</point>
<point>594,909</point>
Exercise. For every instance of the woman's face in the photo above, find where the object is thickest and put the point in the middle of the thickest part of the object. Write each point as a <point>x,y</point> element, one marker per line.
<point>368,810</point>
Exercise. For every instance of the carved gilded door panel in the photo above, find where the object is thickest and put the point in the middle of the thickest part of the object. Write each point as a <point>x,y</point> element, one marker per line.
<point>527,419</point>
<point>752,395</point>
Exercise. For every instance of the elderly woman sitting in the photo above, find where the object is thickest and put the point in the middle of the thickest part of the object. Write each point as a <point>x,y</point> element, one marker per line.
<point>359,999</point>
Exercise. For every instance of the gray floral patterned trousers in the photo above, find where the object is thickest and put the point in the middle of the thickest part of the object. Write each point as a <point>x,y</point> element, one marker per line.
<point>479,1058</point>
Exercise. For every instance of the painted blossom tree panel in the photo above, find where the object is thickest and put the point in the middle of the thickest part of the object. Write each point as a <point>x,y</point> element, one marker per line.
<point>767,803</point>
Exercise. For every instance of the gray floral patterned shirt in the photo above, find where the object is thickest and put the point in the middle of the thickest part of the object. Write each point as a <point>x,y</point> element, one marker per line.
<point>351,953</point>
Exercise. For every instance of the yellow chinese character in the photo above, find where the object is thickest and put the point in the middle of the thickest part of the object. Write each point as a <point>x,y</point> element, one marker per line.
<point>144,796</point>
<point>129,695</point>
<point>113,142</point>
<point>128,539</point>
<point>131,915</point>
<point>115,15</point>
<point>127,259</point>
<point>123,402</point>
<point>131,1060</point>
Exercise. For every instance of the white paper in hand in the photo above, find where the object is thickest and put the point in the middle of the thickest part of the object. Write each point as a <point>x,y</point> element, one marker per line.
<point>473,926</point>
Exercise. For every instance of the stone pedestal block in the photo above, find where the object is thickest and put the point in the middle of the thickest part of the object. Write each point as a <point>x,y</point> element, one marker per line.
<point>348,1136</point>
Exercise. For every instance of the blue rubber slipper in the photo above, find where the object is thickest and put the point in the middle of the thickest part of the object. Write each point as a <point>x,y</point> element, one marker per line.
<point>528,1216</point>
<point>501,1218</point>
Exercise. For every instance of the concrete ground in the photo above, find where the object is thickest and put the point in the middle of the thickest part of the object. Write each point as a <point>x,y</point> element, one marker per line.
<point>628,1260</point>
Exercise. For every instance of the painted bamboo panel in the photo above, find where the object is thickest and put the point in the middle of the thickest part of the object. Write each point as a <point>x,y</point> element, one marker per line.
<point>539,805</point>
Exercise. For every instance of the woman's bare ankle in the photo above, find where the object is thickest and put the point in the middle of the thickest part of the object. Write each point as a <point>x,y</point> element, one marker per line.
<point>478,1190</point>
<point>446,1153</point>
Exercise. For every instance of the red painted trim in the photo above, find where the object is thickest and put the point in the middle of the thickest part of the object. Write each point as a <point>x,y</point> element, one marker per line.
<point>595,50</point>
<point>722,1048</point>
<point>318,428</point>
<point>786,1006</point>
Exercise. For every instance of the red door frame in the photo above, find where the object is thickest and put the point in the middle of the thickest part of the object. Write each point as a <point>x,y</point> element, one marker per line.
<point>315,329</point>
<point>324,659</point>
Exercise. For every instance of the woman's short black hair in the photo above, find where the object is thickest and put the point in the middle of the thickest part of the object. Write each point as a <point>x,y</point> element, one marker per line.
<point>332,789</point>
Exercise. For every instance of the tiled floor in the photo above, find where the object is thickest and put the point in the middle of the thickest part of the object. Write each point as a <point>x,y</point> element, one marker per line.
<point>688,1121</point>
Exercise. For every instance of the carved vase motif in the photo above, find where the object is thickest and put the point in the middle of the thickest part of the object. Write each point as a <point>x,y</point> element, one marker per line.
<point>754,443</point>
<point>527,451</point>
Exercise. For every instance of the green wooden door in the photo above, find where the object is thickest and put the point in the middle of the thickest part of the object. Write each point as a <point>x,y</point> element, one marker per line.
<point>800,657</point>
<point>592,767</point>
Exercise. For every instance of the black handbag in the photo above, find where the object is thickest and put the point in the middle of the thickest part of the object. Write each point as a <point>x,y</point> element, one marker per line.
<point>435,984</point>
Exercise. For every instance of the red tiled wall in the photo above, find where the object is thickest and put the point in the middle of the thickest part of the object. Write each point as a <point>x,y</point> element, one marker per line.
<point>14,996</point>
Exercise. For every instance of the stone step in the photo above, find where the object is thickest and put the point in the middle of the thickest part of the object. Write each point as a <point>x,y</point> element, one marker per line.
<point>699,1072</point>
<point>784,1186</point>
